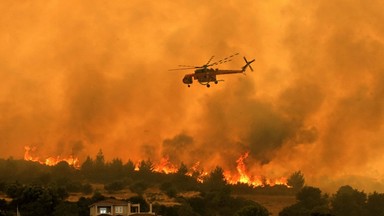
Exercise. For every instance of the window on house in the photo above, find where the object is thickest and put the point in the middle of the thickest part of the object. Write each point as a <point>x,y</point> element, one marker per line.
<point>103,210</point>
<point>134,209</point>
<point>119,209</point>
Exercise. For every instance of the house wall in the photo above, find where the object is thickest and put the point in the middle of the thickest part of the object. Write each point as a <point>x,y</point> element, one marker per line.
<point>125,210</point>
<point>93,211</point>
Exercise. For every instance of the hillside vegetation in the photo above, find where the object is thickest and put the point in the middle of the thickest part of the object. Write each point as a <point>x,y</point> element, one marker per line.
<point>36,189</point>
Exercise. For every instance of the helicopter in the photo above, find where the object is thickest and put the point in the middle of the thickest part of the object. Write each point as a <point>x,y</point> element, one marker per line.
<point>205,75</point>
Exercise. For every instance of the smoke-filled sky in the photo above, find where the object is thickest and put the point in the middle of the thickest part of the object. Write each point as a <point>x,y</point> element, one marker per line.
<point>80,76</point>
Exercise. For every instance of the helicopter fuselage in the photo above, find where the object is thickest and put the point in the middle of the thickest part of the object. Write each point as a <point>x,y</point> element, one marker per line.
<point>205,75</point>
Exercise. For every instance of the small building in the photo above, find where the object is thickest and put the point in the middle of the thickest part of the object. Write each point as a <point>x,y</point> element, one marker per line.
<point>113,207</point>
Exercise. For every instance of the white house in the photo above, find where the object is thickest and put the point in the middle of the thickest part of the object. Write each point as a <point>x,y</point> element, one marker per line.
<point>113,207</point>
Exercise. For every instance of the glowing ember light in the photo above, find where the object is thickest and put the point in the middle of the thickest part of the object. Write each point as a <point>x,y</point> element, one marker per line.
<point>165,166</point>
<point>137,166</point>
<point>280,181</point>
<point>51,161</point>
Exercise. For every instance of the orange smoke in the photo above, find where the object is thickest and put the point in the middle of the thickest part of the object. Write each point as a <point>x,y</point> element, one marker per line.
<point>50,161</point>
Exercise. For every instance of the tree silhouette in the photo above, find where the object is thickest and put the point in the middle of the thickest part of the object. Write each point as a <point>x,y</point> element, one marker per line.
<point>87,167</point>
<point>129,167</point>
<point>296,180</point>
<point>140,200</point>
<point>115,169</point>
<point>348,202</point>
<point>182,169</point>
<point>375,204</point>
<point>216,179</point>
<point>310,202</point>
<point>83,206</point>
<point>99,171</point>
<point>62,170</point>
<point>36,200</point>
<point>295,210</point>
<point>310,197</point>
<point>100,161</point>
<point>146,166</point>
<point>97,196</point>
<point>253,210</point>
<point>217,191</point>
<point>14,190</point>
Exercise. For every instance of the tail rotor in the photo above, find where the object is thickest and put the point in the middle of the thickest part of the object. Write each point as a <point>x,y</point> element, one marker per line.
<point>247,64</point>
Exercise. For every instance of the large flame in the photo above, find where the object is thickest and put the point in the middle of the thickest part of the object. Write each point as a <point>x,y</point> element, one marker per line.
<point>165,166</point>
<point>243,176</point>
<point>197,172</point>
<point>50,161</point>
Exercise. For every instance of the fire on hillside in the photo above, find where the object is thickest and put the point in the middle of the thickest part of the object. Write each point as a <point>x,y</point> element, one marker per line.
<point>50,161</point>
<point>240,175</point>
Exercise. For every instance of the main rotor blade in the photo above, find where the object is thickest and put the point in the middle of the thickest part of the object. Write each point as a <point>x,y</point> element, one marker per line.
<point>209,61</point>
<point>224,60</point>
<point>221,61</point>
<point>189,68</point>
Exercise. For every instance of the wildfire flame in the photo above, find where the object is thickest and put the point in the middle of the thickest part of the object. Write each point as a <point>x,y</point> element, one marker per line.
<point>242,176</point>
<point>165,166</point>
<point>241,169</point>
<point>50,161</point>
<point>197,172</point>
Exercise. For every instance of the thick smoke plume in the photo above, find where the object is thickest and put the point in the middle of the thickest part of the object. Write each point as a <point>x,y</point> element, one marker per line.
<point>77,77</point>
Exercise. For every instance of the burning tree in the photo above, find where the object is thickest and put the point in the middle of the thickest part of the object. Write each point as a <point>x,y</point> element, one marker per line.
<point>50,161</point>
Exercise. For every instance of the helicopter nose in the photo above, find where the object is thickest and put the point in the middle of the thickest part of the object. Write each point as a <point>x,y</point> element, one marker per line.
<point>187,80</point>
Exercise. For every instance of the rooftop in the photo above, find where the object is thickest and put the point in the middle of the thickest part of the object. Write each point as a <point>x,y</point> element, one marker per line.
<point>109,202</point>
